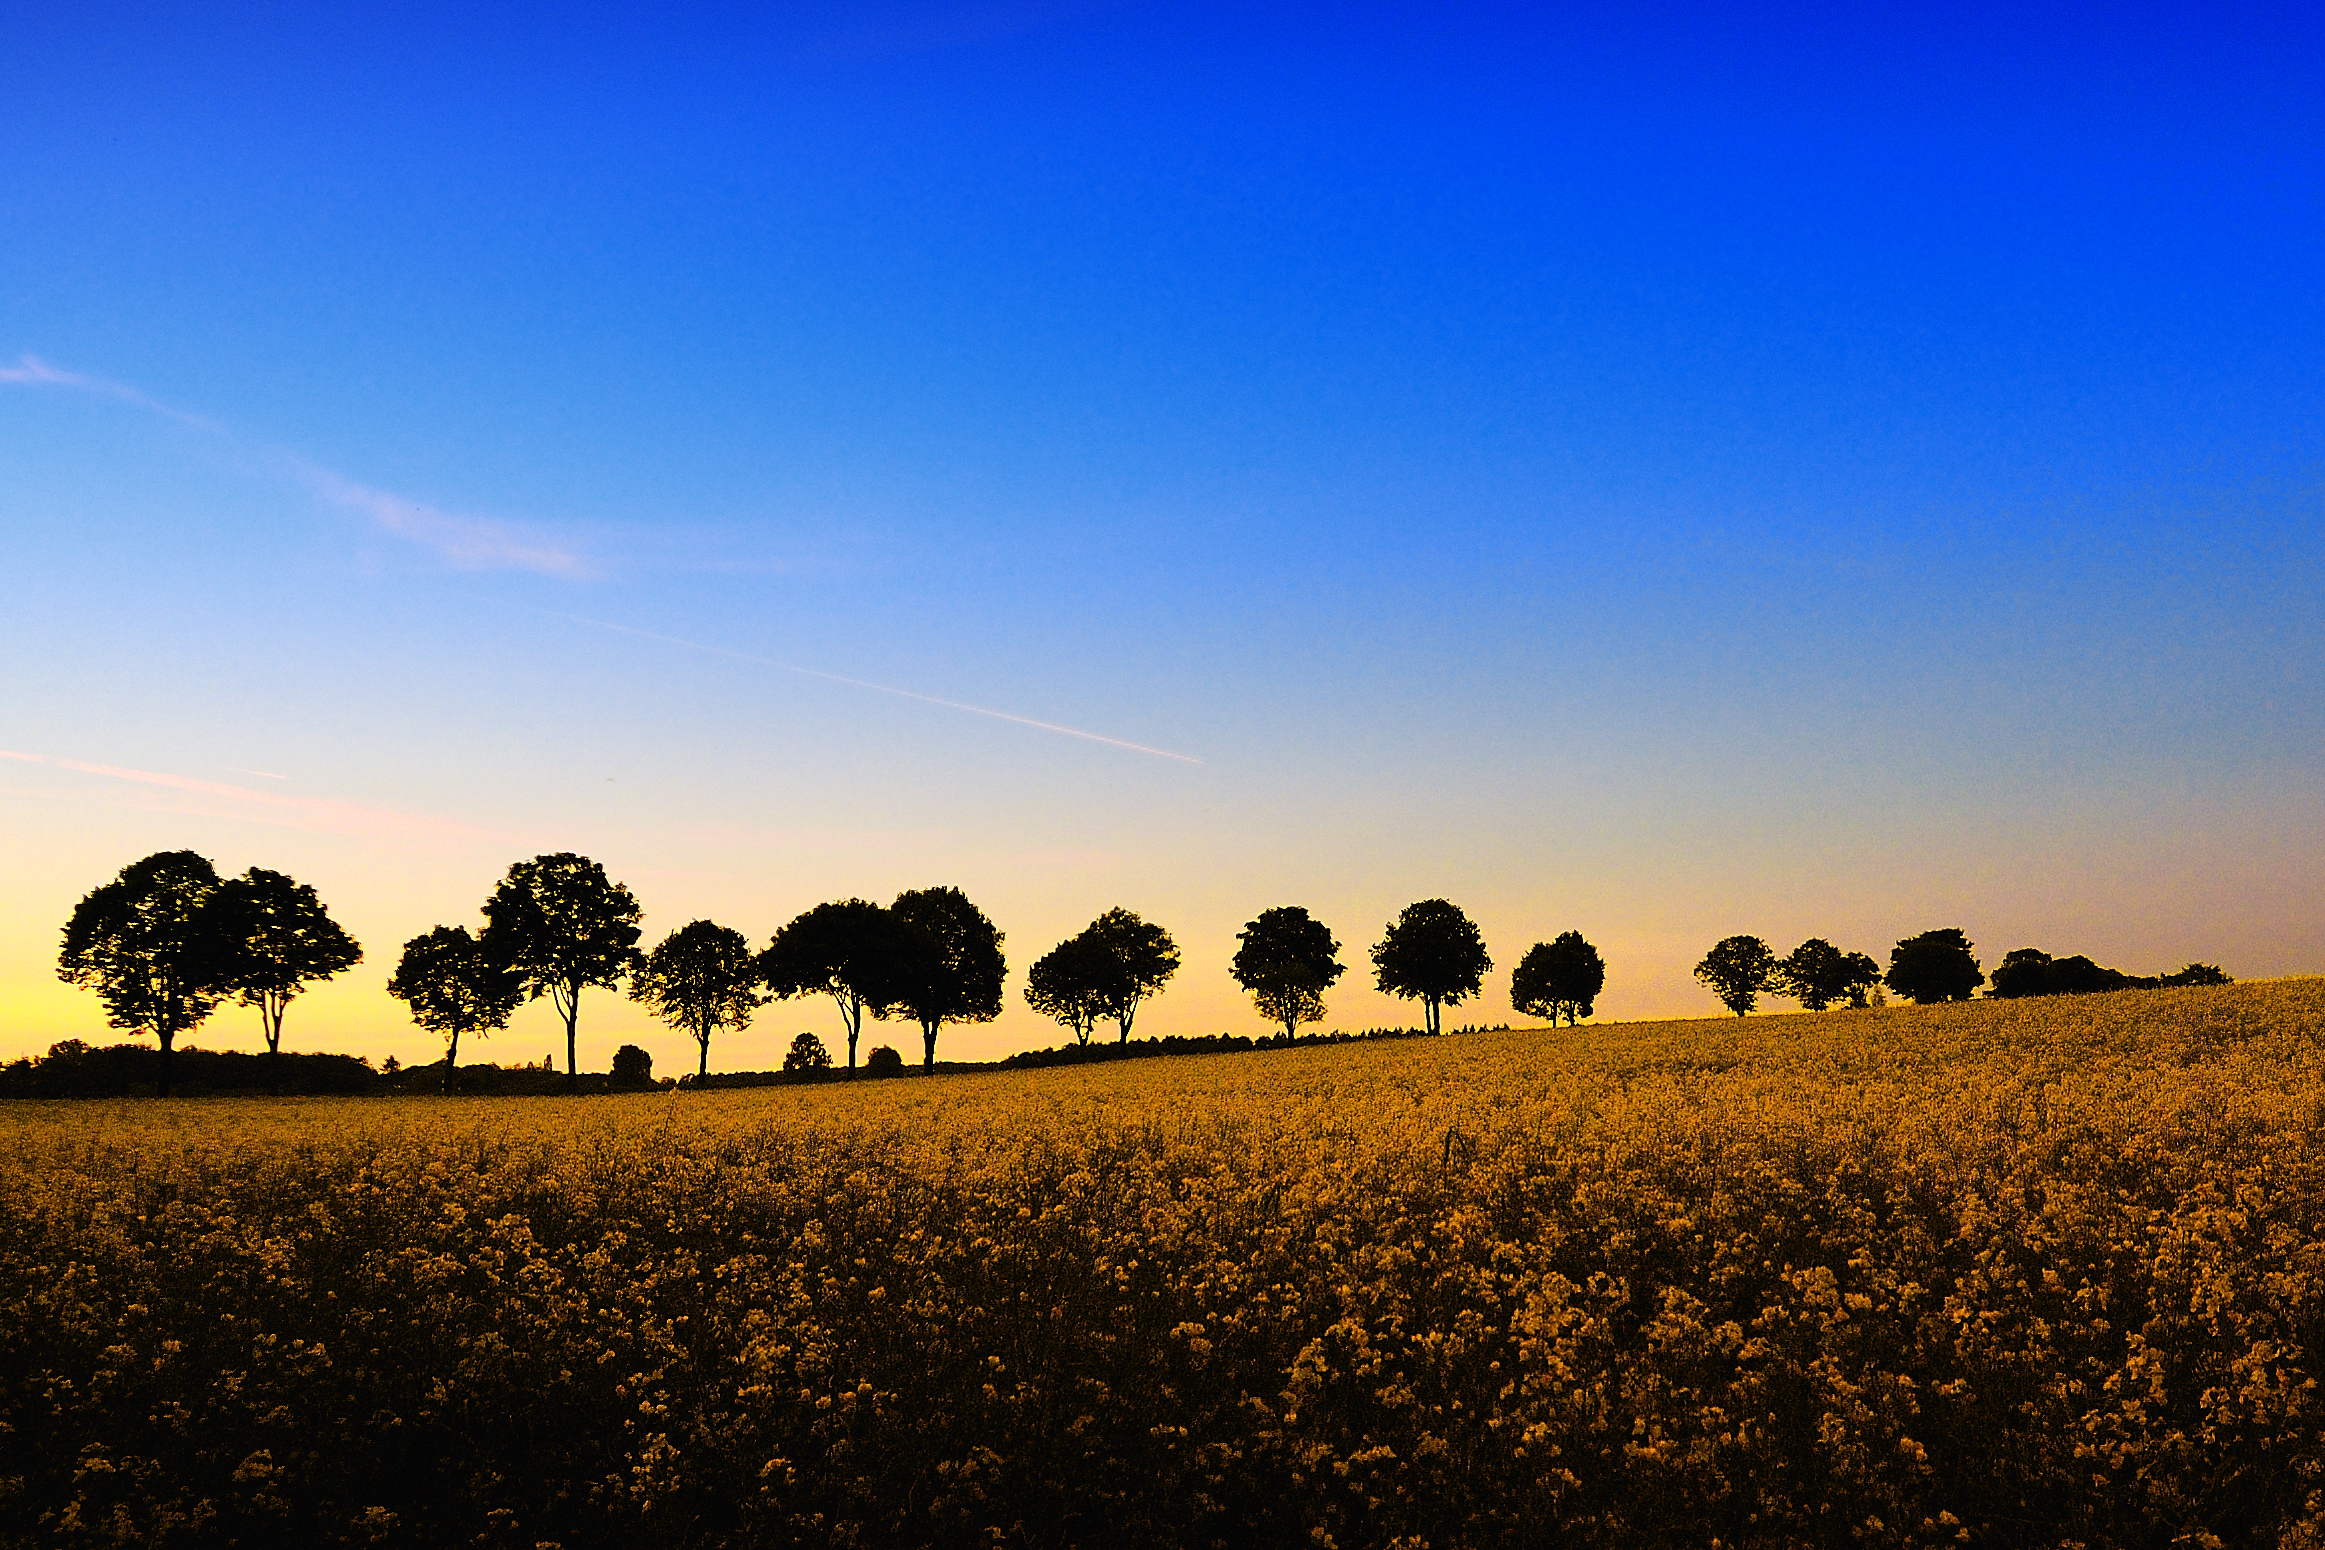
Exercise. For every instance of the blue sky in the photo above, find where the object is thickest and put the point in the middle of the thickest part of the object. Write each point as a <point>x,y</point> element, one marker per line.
<point>1695,470</point>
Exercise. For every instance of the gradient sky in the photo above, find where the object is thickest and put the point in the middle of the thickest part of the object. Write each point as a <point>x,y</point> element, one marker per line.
<point>1662,471</point>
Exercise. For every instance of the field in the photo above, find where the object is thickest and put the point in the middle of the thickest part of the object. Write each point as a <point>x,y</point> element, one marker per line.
<point>2004,1273</point>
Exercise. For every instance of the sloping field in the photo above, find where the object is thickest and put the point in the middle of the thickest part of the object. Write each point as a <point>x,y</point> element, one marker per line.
<point>2001,1273</point>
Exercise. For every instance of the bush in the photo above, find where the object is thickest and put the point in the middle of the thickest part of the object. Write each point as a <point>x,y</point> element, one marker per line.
<point>633,1067</point>
<point>884,1061</point>
<point>807,1054</point>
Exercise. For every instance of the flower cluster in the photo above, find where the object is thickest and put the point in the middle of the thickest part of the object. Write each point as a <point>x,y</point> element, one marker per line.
<point>2028,1272</point>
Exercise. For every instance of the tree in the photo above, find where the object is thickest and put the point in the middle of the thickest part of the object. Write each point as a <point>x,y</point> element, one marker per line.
<point>701,978</point>
<point>633,1067</point>
<point>1737,971</point>
<point>1433,954</point>
<point>949,964</point>
<point>275,938</point>
<point>807,1054</point>
<point>454,985</point>
<point>1143,957</point>
<point>1817,975</point>
<point>1935,966</point>
<point>1070,983</point>
<point>1286,959</point>
<point>847,950</point>
<point>564,926</point>
<point>1558,979</point>
<point>147,944</point>
<point>884,1061</point>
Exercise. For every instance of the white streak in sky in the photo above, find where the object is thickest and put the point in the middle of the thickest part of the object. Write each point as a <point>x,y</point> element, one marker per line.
<point>270,807</point>
<point>471,543</point>
<point>860,683</point>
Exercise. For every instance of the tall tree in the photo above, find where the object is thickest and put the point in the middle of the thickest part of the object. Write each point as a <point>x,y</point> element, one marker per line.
<point>1737,971</point>
<point>147,944</point>
<point>1143,959</point>
<point>1287,959</point>
<point>846,950</point>
<point>275,939</point>
<point>1818,975</point>
<point>1557,979</point>
<point>1070,983</point>
<point>1434,954</point>
<point>701,977</point>
<point>950,968</point>
<point>454,985</point>
<point>564,926</point>
<point>1935,966</point>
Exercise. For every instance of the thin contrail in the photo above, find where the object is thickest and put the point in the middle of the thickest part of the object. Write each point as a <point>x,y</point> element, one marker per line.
<point>860,683</point>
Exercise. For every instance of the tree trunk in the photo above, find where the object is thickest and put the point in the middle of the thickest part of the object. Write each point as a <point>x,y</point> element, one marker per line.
<point>928,1041</point>
<point>451,1053</point>
<point>702,1068</point>
<point>572,1010</point>
<point>166,1040</point>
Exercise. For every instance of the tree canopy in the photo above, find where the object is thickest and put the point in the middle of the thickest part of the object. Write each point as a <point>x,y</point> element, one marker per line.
<point>1935,966</point>
<point>1287,959</point>
<point>275,938</point>
<point>563,926</point>
<point>148,945</point>
<point>1434,954</point>
<point>454,985</point>
<point>1560,978</point>
<point>1071,983</point>
<point>1144,958</point>
<point>949,968</point>
<point>1737,970</point>
<point>701,977</point>
<point>807,1054</point>
<point>848,950</point>
<point>1818,975</point>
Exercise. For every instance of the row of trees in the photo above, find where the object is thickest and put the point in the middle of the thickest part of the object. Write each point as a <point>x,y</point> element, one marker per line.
<point>1935,966</point>
<point>168,939</point>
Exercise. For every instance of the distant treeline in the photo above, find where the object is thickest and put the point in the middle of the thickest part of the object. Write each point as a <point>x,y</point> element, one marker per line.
<point>1935,966</point>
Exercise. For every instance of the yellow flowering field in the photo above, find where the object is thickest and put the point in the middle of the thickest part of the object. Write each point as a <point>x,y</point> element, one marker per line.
<point>2035,1272</point>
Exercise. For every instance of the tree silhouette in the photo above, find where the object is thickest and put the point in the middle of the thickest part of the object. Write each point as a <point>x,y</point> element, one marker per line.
<point>148,945</point>
<point>633,1067</point>
<point>1287,960</point>
<point>1818,975</point>
<point>561,924</point>
<point>1737,971</point>
<point>453,985</point>
<point>1558,979</point>
<point>949,968</point>
<point>1434,954</point>
<point>1143,957</point>
<point>847,950</point>
<point>1935,966</point>
<point>884,1061</point>
<point>275,938</point>
<point>701,978</point>
<point>1070,983</point>
<point>807,1054</point>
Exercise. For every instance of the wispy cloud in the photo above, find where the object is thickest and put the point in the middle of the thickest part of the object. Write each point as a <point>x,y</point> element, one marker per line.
<point>878,688</point>
<point>471,543</point>
<point>274,808</point>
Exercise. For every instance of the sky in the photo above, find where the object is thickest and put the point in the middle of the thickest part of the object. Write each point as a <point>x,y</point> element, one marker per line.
<point>1665,472</point>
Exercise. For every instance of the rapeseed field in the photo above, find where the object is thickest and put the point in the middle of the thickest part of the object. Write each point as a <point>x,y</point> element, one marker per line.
<point>2039,1272</point>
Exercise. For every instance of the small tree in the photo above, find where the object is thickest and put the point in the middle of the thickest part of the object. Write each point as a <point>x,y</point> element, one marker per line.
<point>564,926</point>
<point>1558,979</point>
<point>1935,966</point>
<point>275,938</point>
<point>1070,983</point>
<point>1434,954</point>
<point>1286,959</point>
<point>949,967</point>
<point>807,1054</point>
<point>147,944</point>
<point>701,978</point>
<point>453,985</point>
<point>884,1061</point>
<point>1143,959</point>
<point>633,1067</point>
<point>846,950</point>
<point>1819,975</point>
<point>1737,971</point>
